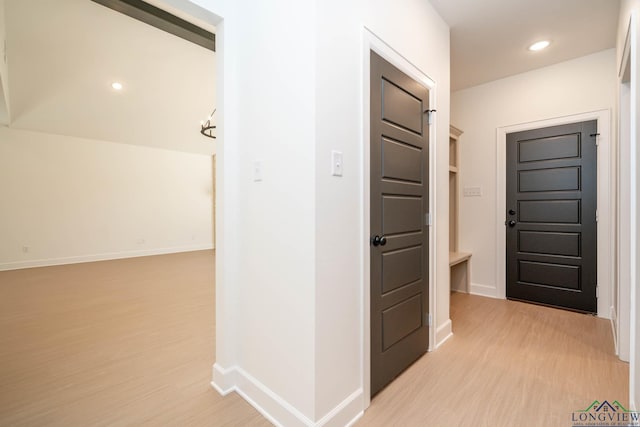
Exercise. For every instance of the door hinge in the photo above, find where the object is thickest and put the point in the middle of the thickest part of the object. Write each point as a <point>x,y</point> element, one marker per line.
<point>597,216</point>
<point>429,114</point>
<point>596,135</point>
<point>427,219</point>
<point>427,319</point>
<point>597,291</point>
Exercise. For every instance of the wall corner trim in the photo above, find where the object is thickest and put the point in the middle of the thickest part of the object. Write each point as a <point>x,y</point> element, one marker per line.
<point>224,380</point>
<point>614,320</point>
<point>444,332</point>
<point>346,413</point>
<point>276,409</point>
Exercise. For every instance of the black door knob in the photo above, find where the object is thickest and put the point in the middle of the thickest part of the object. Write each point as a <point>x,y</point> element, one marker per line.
<point>512,223</point>
<point>512,212</point>
<point>378,241</point>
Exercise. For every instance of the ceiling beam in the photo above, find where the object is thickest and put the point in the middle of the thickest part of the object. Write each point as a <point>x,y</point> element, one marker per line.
<point>162,20</point>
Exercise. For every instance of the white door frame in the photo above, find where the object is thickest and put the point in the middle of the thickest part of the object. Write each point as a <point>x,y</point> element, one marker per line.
<point>376,44</point>
<point>620,317</point>
<point>630,56</point>
<point>605,226</point>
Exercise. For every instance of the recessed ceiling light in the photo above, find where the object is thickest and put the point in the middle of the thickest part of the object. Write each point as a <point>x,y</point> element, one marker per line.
<point>539,45</point>
<point>116,86</point>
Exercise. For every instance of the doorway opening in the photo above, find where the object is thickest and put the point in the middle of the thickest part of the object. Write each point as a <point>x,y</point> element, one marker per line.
<point>151,175</point>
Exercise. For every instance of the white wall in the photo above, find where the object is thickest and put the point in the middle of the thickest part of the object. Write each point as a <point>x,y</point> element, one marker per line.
<point>268,242</point>
<point>581,85</point>
<point>414,30</point>
<point>276,215</point>
<point>4,70</point>
<point>71,200</point>
<point>290,327</point>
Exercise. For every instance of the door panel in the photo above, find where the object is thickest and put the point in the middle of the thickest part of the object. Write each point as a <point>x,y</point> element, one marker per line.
<point>558,275</point>
<point>545,242</point>
<point>401,214</point>
<point>549,148</point>
<point>558,179</point>
<point>551,212</point>
<point>401,108</point>
<point>399,202</point>
<point>400,268</point>
<point>401,162</point>
<point>400,320</point>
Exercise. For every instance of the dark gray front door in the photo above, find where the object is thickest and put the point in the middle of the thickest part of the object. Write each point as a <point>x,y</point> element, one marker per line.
<point>399,236</point>
<point>551,216</point>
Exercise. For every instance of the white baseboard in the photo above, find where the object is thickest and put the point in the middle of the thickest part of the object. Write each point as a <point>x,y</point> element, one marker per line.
<point>276,409</point>
<point>444,332</point>
<point>483,290</point>
<point>224,380</point>
<point>16,265</point>
<point>346,413</point>
<point>614,323</point>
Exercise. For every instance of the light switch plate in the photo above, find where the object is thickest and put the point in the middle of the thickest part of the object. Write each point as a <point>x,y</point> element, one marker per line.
<point>336,163</point>
<point>472,191</point>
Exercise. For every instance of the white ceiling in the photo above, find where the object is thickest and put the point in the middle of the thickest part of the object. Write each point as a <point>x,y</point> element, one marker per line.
<point>63,56</point>
<point>489,38</point>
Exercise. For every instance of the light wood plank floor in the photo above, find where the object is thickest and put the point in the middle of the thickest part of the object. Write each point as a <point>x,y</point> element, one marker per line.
<point>116,343</point>
<point>508,364</point>
<point>131,342</point>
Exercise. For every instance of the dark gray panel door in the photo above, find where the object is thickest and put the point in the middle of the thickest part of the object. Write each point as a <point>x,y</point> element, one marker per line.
<point>551,216</point>
<point>399,237</point>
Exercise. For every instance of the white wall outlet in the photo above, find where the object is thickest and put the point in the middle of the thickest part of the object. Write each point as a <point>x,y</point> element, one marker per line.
<point>25,249</point>
<point>336,163</point>
<point>257,170</point>
<point>140,241</point>
<point>472,191</point>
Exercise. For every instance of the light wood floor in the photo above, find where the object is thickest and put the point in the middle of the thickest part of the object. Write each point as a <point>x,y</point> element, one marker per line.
<point>116,343</point>
<point>131,342</point>
<point>508,364</point>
